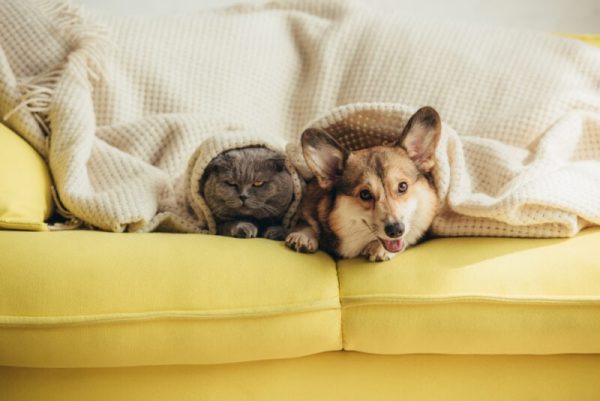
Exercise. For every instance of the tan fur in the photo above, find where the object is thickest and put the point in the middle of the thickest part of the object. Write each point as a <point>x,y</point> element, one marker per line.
<point>346,225</point>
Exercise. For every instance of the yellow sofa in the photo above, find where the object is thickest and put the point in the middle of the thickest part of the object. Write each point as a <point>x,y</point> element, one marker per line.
<point>101,316</point>
<point>88,315</point>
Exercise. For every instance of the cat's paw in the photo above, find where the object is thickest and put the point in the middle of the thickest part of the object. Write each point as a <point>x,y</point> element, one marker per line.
<point>302,242</point>
<point>375,252</point>
<point>276,233</point>
<point>242,229</point>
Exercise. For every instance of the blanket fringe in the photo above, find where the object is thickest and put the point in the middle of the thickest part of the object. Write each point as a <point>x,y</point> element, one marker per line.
<point>36,96</point>
<point>88,45</point>
<point>72,222</point>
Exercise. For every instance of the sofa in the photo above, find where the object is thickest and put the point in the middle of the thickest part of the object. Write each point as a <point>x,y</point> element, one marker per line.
<point>92,315</point>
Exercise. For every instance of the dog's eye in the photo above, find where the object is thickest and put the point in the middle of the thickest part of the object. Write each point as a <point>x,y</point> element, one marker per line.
<point>402,187</point>
<point>365,195</point>
<point>258,183</point>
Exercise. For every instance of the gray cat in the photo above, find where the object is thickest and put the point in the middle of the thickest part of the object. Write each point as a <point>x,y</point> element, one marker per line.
<point>248,190</point>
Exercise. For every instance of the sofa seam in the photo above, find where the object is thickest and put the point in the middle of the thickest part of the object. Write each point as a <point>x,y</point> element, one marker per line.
<point>10,321</point>
<point>367,300</point>
<point>339,289</point>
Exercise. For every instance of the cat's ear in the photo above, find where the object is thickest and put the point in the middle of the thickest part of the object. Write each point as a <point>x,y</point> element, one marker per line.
<point>277,163</point>
<point>324,156</point>
<point>421,136</point>
<point>218,164</point>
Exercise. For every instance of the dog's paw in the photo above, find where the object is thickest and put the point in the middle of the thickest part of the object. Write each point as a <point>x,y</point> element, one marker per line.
<point>243,229</point>
<point>302,242</point>
<point>276,233</point>
<point>375,252</point>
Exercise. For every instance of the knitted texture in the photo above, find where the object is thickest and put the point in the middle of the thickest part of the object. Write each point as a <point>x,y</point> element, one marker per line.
<point>135,107</point>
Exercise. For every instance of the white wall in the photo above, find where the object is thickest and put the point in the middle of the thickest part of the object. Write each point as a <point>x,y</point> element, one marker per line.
<point>578,16</point>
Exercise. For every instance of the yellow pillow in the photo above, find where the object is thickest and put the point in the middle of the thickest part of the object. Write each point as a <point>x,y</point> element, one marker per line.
<point>593,40</point>
<point>25,195</point>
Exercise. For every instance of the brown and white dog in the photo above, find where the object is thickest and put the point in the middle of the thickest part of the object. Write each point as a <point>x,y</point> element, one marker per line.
<point>373,202</point>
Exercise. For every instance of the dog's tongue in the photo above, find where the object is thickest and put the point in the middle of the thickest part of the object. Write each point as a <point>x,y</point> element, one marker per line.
<point>392,246</point>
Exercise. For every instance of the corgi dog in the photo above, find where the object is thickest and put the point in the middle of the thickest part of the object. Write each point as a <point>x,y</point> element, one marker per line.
<point>373,202</point>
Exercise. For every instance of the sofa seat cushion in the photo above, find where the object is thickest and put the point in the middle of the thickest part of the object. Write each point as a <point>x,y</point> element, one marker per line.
<point>476,296</point>
<point>97,299</point>
<point>331,376</point>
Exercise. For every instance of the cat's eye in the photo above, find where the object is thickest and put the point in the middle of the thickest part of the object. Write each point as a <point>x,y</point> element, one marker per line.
<point>365,195</point>
<point>402,187</point>
<point>258,183</point>
<point>230,183</point>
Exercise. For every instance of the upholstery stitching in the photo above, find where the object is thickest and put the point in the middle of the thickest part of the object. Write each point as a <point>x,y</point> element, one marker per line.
<point>339,290</point>
<point>53,321</point>
<point>361,300</point>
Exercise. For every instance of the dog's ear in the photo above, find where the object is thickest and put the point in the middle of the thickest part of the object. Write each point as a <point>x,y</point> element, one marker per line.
<point>421,136</point>
<point>324,156</point>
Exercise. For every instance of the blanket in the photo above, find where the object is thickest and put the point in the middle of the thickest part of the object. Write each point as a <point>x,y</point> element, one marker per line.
<point>127,111</point>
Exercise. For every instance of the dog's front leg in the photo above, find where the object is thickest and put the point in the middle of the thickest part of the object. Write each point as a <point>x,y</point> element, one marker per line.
<point>375,252</point>
<point>303,239</point>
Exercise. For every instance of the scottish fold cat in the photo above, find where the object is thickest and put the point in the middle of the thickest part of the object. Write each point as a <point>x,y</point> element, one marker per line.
<point>248,191</point>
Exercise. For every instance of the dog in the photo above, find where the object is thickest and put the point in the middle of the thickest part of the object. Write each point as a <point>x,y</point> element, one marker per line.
<point>373,202</point>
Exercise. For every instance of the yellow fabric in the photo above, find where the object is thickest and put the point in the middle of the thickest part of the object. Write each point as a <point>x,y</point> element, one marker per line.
<point>95,299</point>
<point>593,40</point>
<point>476,296</point>
<point>81,298</point>
<point>25,198</point>
<point>338,376</point>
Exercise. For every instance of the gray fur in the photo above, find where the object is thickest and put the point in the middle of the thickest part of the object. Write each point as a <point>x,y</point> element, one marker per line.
<point>231,175</point>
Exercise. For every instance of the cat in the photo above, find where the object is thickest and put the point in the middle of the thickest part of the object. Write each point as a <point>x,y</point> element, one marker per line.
<point>248,191</point>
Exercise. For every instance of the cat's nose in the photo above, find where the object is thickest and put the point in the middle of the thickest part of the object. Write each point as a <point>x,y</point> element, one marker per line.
<point>243,198</point>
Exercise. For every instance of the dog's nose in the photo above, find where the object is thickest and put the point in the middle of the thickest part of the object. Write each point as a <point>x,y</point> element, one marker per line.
<point>394,230</point>
<point>243,198</point>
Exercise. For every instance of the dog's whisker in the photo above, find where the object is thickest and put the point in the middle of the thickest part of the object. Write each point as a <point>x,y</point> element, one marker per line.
<point>371,229</point>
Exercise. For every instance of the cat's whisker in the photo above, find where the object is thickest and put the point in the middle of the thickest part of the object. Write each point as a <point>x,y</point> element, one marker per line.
<point>269,208</point>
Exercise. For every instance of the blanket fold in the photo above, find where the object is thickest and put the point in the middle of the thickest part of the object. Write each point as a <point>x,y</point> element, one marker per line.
<point>128,111</point>
<point>187,211</point>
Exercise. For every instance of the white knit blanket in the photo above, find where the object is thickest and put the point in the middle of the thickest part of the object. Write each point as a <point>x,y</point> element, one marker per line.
<point>128,111</point>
